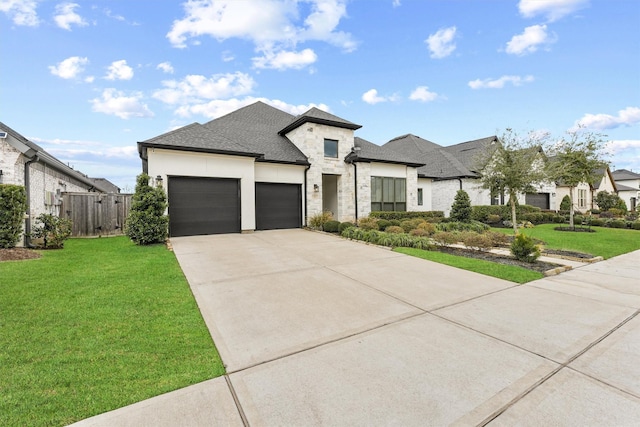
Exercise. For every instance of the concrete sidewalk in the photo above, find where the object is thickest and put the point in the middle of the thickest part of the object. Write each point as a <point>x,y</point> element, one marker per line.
<point>318,330</point>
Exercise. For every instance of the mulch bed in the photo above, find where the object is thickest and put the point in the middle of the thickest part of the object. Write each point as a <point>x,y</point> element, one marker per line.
<point>18,254</point>
<point>539,266</point>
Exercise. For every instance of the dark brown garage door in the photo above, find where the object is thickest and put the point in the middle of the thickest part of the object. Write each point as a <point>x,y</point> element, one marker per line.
<point>203,206</point>
<point>540,200</point>
<point>278,206</point>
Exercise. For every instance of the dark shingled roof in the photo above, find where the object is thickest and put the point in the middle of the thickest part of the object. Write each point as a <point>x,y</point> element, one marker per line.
<point>624,174</point>
<point>315,115</point>
<point>54,163</point>
<point>250,131</point>
<point>621,187</point>
<point>454,161</point>
<point>369,152</point>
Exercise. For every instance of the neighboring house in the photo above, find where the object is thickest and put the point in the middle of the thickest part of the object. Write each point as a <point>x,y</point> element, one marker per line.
<point>44,177</point>
<point>628,185</point>
<point>584,195</point>
<point>457,167</point>
<point>261,168</point>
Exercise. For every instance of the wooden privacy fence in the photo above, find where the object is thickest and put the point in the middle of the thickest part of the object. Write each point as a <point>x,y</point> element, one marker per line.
<point>96,214</point>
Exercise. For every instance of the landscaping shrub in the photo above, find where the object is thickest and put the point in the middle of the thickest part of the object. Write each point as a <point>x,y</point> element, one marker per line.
<point>52,230</point>
<point>559,219</point>
<point>497,238</point>
<point>597,222</point>
<point>565,204</point>
<point>331,226</point>
<point>13,204</point>
<point>493,219</point>
<point>606,214</point>
<point>318,221</point>
<point>483,213</point>
<point>617,223</point>
<point>422,243</point>
<point>394,229</point>
<point>524,248</point>
<point>372,236</point>
<point>395,222</point>
<point>399,215</point>
<point>461,207</point>
<point>410,224</point>
<point>428,227</point>
<point>345,225</point>
<point>476,226</point>
<point>368,223</point>
<point>146,222</point>
<point>635,225</point>
<point>384,223</point>
<point>616,212</point>
<point>595,211</point>
<point>606,201</point>
<point>631,216</point>
<point>419,232</point>
<point>476,241</point>
<point>445,238</point>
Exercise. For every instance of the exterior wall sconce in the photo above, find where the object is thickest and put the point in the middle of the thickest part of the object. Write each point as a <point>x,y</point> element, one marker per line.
<point>159,181</point>
<point>0,175</point>
<point>316,188</point>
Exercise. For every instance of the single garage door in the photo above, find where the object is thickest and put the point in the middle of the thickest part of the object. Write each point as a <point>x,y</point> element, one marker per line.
<point>540,200</point>
<point>278,206</point>
<point>203,206</point>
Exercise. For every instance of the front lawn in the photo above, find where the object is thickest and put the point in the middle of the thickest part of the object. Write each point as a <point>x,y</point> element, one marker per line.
<point>96,326</point>
<point>605,242</point>
<point>488,268</point>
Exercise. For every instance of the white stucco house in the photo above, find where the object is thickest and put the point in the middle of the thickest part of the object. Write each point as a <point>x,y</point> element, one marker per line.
<point>45,178</point>
<point>584,194</point>
<point>628,185</point>
<point>260,168</point>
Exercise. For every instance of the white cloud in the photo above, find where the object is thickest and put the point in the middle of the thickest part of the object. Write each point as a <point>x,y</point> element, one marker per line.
<point>116,103</point>
<point>615,147</point>
<point>371,97</point>
<point>220,107</point>
<point>165,67</point>
<point>119,70</point>
<point>500,83</point>
<point>551,9</point>
<point>272,25</point>
<point>198,88</point>
<point>286,59</point>
<point>529,41</point>
<point>69,68</point>
<point>66,16</point>
<point>441,42</point>
<point>422,93</point>
<point>396,3</point>
<point>627,117</point>
<point>21,12</point>
<point>227,56</point>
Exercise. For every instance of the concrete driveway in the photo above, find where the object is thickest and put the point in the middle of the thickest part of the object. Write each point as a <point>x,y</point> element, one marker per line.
<point>318,330</point>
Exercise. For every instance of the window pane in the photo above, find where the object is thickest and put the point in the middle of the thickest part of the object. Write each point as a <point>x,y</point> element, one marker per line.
<point>419,196</point>
<point>376,206</point>
<point>331,148</point>
<point>376,190</point>
<point>387,190</point>
<point>400,194</point>
<point>401,207</point>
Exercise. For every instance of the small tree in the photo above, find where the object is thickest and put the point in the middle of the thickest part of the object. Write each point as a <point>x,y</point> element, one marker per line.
<point>52,230</point>
<point>461,208</point>
<point>147,223</point>
<point>606,200</point>
<point>513,165</point>
<point>13,204</point>
<point>577,159</point>
<point>565,204</point>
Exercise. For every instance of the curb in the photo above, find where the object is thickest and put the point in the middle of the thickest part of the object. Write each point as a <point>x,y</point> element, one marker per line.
<point>557,270</point>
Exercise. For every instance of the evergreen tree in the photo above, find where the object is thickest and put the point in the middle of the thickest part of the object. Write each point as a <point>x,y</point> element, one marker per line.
<point>147,223</point>
<point>461,208</point>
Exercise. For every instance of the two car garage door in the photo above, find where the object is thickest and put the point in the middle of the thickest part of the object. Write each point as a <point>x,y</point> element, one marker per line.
<point>212,206</point>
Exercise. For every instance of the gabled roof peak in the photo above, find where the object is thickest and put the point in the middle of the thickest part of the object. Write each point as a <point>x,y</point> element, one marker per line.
<point>316,115</point>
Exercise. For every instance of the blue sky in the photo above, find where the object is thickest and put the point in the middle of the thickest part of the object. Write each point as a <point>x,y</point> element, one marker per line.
<point>88,79</point>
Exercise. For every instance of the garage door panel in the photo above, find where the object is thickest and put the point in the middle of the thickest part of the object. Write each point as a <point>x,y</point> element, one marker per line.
<point>200,206</point>
<point>278,206</point>
<point>540,200</point>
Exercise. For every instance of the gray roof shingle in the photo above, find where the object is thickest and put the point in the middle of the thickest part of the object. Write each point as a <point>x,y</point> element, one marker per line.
<point>624,174</point>
<point>369,152</point>
<point>315,115</point>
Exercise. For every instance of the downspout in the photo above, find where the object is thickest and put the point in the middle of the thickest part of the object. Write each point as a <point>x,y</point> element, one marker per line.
<point>306,201</point>
<point>355,187</point>
<point>460,181</point>
<point>27,188</point>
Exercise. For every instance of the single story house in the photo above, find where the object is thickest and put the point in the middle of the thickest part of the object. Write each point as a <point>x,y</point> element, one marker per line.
<point>260,168</point>
<point>457,167</point>
<point>584,194</point>
<point>45,178</point>
<point>628,184</point>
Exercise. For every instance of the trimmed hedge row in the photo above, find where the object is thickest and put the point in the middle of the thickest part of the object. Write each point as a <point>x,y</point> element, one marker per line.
<point>390,215</point>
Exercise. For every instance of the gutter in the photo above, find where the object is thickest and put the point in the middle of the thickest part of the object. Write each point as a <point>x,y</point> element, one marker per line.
<point>306,202</point>
<point>355,187</point>
<point>27,187</point>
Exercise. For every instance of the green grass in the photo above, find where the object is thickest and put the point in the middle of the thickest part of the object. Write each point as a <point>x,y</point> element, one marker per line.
<point>488,268</point>
<point>605,242</point>
<point>96,326</point>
